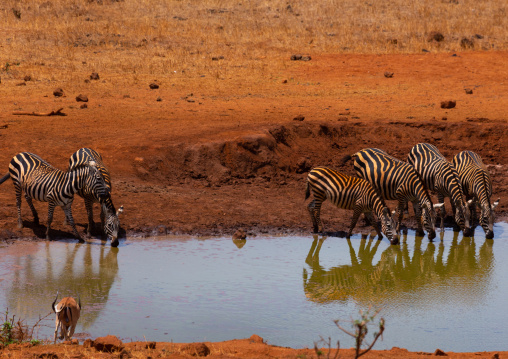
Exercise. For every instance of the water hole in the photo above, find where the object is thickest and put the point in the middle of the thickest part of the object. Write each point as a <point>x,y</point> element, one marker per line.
<point>448,294</point>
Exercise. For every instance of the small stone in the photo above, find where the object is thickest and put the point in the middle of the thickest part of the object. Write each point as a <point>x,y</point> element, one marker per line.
<point>108,344</point>
<point>388,74</point>
<point>83,106</point>
<point>88,343</point>
<point>58,92</point>
<point>469,91</point>
<point>285,81</point>
<point>94,76</point>
<point>240,234</point>
<point>299,118</point>
<point>296,57</point>
<point>154,86</point>
<point>441,353</point>
<point>81,98</point>
<point>159,99</point>
<point>21,84</point>
<point>448,104</point>
<point>306,58</point>
<point>28,78</point>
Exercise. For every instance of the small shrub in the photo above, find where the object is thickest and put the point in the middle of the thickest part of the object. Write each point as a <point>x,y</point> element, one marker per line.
<point>360,331</point>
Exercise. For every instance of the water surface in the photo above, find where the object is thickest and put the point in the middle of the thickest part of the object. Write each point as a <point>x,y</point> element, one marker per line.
<point>448,294</point>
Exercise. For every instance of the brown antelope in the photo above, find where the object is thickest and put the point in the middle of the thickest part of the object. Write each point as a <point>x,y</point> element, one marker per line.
<point>67,315</point>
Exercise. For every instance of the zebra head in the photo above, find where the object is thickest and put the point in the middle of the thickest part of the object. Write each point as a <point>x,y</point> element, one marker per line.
<point>388,226</point>
<point>112,223</point>
<point>429,218</point>
<point>487,218</point>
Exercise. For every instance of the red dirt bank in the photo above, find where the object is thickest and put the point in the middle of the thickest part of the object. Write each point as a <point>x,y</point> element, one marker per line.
<point>217,163</point>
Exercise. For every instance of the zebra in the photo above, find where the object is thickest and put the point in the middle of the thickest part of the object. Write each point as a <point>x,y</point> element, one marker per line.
<point>440,177</point>
<point>477,186</point>
<point>110,223</point>
<point>397,180</point>
<point>348,193</point>
<point>41,181</point>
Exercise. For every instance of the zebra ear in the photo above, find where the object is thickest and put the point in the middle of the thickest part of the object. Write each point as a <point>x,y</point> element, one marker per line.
<point>119,211</point>
<point>494,205</point>
<point>438,205</point>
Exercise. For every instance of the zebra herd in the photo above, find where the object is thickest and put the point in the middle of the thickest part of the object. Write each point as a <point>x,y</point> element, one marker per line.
<point>383,177</point>
<point>86,176</point>
<point>380,177</point>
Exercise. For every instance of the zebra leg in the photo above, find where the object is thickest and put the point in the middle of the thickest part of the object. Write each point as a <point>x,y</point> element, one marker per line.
<point>418,214</point>
<point>314,208</point>
<point>34,212</point>
<point>442,210</point>
<point>374,224</point>
<point>456,227</point>
<point>18,206</point>
<point>68,214</point>
<point>356,215</point>
<point>51,209</point>
<point>89,212</point>
<point>103,223</point>
<point>402,204</point>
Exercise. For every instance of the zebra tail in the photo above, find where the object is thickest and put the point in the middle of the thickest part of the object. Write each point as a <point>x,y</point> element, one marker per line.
<point>307,191</point>
<point>4,178</point>
<point>345,159</point>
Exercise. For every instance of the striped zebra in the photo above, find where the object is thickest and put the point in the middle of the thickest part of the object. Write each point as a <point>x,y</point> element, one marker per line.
<point>91,194</point>
<point>41,181</point>
<point>440,177</point>
<point>347,193</point>
<point>477,186</point>
<point>397,180</point>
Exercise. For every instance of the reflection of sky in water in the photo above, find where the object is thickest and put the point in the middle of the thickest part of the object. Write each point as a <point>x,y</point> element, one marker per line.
<point>449,295</point>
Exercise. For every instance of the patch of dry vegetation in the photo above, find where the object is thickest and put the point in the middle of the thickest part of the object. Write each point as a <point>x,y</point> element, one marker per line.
<point>225,39</point>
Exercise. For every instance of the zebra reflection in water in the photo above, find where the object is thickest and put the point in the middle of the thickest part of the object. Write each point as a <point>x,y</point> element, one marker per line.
<point>399,271</point>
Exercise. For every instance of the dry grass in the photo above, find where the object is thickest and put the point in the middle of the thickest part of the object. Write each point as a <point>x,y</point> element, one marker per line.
<point>133,40</point>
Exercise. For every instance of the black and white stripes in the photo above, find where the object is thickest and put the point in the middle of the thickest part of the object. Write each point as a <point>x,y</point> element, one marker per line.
<point>397,180</point>
<point>477,186</point>
<point>347,192</point>
<point>98,193</point>
<point>41,181</point>
<point>441,177</point>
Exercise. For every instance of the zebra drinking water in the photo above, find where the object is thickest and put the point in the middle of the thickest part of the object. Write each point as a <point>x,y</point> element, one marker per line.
<point>41,181</point>
<point>397,180</point>
<point>91,194</point>
<point>440,177</point>
<point>477,186</point>
<point>348,193</point>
